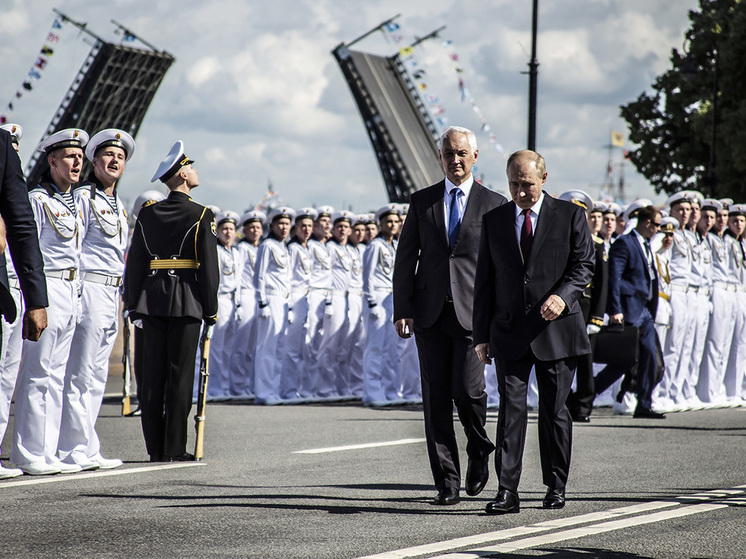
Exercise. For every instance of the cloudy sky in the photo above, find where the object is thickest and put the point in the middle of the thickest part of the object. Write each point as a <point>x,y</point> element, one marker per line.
<point>256,95</point>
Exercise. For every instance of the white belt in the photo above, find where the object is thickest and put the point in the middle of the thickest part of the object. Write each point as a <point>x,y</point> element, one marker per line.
<point>694,289</point>
<point>14,284</point>
<point>682,288</point>
<point>384,289</point>
<point>230,295</point>
<point>725,286</point>
<point>323,290</point>
<point>337,292</point>
<point>280,292</point>
<point>103,279</point>
<point>358,292</point>
<point>67,275</point>
<point>705,291</point>
<point>299,292</point>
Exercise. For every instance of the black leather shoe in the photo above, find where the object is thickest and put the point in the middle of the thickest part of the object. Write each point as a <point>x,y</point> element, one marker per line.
<point>554,499</point>
<point>505,502</point>
<point>156,458</point>
<point>647,413</point>
<point>186,457</point>
<point>477,475</point>
<point>447,497</point>
<point>577,418</point>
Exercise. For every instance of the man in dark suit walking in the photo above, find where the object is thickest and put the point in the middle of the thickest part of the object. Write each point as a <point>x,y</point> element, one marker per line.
<point>535,259</point>
<point>433,296</point>
<point>633,300</point>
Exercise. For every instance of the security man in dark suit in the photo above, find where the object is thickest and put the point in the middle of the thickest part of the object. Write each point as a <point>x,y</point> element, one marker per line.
<point>535,260</point>
<point>171,284</point>
<point>433,296</point>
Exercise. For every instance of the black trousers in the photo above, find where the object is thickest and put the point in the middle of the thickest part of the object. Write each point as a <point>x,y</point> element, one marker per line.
<point>169,349</point>
<point>555,424</point>
<point>451,373</point>
<point>581,401</point>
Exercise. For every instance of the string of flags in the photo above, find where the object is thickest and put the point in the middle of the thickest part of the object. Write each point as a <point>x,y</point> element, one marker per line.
<point>35,73</point>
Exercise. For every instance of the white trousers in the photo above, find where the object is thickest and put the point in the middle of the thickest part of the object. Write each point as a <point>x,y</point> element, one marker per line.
<point>333,356</point>
<point>41,379</point>
<point>10,360</point>
<point>381,370</point>
<point>314,337</point>
<point>221,348</point>
<point>710,388</point>
<point>244,340</point>
<point>735,372</point>
<point>86,372</point>
<point>677,353</point>
<point>409,385</point>
<point>352,384</point>
<point>269,351</point>
<point>701,302</point>
<point>292,362</point>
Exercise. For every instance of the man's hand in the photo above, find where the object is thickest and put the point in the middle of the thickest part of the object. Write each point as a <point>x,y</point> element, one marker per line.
<point>483,352</point>
<point>404,327</point>
<point>34,323</point>
<point>616,318</point>
<point>552,307</point>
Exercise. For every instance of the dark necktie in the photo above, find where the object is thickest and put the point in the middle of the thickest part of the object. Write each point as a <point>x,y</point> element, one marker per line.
<point>454,218</point>
<point>651,264</point>
<point>527,235</point>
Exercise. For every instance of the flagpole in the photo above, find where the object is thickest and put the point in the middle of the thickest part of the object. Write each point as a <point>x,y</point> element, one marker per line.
<point>533,78</point>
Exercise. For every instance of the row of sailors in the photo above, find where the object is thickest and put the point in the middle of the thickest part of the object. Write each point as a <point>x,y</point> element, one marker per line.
<point>701,316</point>
<point>306,315</point>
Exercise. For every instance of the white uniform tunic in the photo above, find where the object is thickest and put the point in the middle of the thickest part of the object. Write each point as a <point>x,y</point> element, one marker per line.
<point>677,351</point>
<point>710,388</point>
<point>223,336</point>
<point>333,353</point>
<point>352,384</point>
<point>301,265</point>
<point>104,240</point>
<point>41,377</point>
<point>10,353</point>
<point>272,284</point>
<point>319,303</point>
<point>242,360</point>
<point>735,373</point>
<point>381,372</point>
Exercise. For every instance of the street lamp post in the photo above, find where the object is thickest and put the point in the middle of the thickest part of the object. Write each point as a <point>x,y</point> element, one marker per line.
<point>533,78</point>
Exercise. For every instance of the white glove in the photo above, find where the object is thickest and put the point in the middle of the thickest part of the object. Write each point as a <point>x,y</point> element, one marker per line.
<point>328,309</point>
<point>137,323</point>
<point>592,329</point>
<point>375,312</point>
<point>264,311</point>
<point>710,306</point>
<point>291,316</point>
<point>208,331</point>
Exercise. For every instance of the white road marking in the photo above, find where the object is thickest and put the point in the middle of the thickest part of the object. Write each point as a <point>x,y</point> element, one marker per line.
<point>38,480</point>
<point>358,446</point>
<point>614,524</point>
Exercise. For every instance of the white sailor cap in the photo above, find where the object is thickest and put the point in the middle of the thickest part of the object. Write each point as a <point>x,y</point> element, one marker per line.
<point>579,198</point>
<point>613,208</point>
<point>280,212</point>
<point>225,216</point>
<point>697,197</point>
<point>251,216</point>
<point>172,163</point>
<point>635,206</point>
<point>737,209</point>
<point>669,225</point>
<point>67,138</point>
<point>403,209</point>
<point>712,204</point>
<point>370,218</point>
<point>145,199</point>
<point>680,197</point>
<point>325,211</point>
<point>361,219</point>
<point>388,209</point>
<point>343,215</point>
<point>726,202</point>
<point>215,210</point>
<point>15,131</point>
<point>306,213</point>
<point>599,207</point>
<point>110,137</point>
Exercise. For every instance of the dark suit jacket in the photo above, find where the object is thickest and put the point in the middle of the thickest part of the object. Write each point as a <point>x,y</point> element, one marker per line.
<point>508,297</point>
<point>180,228</point>
<point>425,263</point>
<point>629,280</point>
<point>23,240</point>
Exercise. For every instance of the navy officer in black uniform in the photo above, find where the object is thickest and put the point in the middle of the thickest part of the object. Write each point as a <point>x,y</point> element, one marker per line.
<point>171,284</point>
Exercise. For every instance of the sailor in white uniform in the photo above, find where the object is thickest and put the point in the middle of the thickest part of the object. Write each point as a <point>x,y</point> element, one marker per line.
<point>229,299</point>
<point>352,385</point>
<point>272,285</point>
<point>677,351</point>
<point>381,371</point>
<point>41,377</point>
<point>333,356</point>
<point>661,244</point>
<point>735,372</point>
<point>104,236</point>
<point>301,265</point>
<point>319,300</point>
<point>242,360</point>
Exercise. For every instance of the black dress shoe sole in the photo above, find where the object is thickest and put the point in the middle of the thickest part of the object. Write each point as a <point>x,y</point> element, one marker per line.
<point>553,506</point>
<point>474,491</point>
<point>512,510</point>
<point>446,502</point>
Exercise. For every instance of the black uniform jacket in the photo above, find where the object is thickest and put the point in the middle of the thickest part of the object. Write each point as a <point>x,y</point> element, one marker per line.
<point>176,228</point>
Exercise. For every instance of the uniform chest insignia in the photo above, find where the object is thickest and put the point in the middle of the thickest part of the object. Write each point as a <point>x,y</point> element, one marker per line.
<point>214,229</point>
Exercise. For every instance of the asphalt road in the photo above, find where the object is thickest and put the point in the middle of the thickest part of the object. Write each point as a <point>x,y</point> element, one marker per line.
<point>638,489</point>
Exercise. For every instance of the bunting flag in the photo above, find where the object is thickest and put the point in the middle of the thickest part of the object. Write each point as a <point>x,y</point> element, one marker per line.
<point>35,73</point>
<point>617,139</point>
<point>466,96</point>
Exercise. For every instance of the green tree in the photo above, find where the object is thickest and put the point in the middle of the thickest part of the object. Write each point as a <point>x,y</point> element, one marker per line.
<point>701,98</point>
